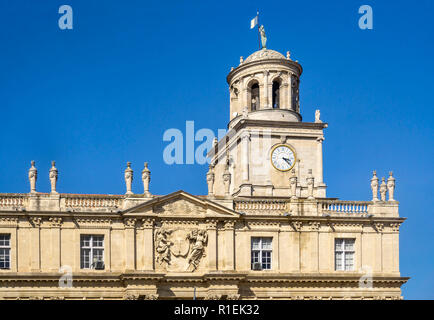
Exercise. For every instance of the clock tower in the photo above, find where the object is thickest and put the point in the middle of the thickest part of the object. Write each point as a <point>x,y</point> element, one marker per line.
<point>268,150</point>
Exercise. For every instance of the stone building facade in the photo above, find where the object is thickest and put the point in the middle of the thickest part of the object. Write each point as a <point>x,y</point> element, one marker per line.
<point>266,228</point>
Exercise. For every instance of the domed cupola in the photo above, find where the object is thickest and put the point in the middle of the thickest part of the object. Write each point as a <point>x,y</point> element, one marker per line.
<point>266,86</point>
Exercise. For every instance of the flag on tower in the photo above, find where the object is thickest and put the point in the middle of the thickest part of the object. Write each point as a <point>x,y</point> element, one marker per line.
<point>254,22</point>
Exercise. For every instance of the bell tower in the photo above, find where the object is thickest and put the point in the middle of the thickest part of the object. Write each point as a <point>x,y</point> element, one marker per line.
<point>268,151</point>
<point>266,80</point>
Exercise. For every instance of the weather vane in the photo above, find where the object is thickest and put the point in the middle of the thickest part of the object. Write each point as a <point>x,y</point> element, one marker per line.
<point>262,38</point>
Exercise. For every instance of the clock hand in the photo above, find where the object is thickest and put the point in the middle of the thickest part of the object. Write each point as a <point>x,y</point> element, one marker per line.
<point>287,160</point>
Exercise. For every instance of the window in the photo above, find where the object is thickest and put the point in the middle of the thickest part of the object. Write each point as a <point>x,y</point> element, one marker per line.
<point>344,254</point>
<point>261,253</point>
<point>92,252</point>
<point>254,97</point>
<point>276,94</point>
<point>5,251</point>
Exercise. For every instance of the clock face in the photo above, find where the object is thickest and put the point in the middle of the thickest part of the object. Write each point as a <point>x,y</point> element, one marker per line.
<point>282,157</point>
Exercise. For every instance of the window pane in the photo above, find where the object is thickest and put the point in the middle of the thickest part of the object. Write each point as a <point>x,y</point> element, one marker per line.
<point>255,256</point>
<point>349,245</point>
<point>85,258</point>
<point>4,258</point>
<point>98,255</point>
<point>85,241</point>
<point>5,240</point>
<point>338,260</point>
<point>339,244</point>
<point>256,243</point>
<point>349,261</point>
<point>266,243</point>
<point>98,241</point>
<point>266,260</point>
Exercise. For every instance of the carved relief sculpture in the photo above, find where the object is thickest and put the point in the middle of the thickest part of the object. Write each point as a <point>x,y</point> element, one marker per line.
<point>180,249</point>
<point>200,239</point>
<point>53,177</point>
<point>33,176</point>
<point>146,178</point>
<point>374,186</point>
<point>162,245</point>
<point>391,186</point>
<point>383,189</point>
<point>128,178</point>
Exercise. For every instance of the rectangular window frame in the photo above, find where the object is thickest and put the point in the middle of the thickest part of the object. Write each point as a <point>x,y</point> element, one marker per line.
<point>262,254</point>
<point>345,253</point>
<point>5,251</point>
<point>92,246</point>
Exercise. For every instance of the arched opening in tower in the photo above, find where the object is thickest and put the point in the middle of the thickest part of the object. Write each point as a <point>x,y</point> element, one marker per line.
<point>276,94</point>
<point>255,97</point>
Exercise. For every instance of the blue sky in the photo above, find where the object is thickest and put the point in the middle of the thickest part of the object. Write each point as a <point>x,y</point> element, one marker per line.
<point>102,94</point>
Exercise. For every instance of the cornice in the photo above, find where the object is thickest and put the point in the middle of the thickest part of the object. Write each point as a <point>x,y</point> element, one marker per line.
<point>281,62</point>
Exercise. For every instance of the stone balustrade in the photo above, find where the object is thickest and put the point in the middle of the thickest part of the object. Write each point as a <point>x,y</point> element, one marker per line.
<point>93,201</point>
<point>342,206</point>
<point>260,206</point>
<point>12,200</point>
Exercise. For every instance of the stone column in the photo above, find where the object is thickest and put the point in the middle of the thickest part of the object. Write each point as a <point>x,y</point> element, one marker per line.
<point>33,176</point>
<point>284,96</point>
<point>289,91</point>
<point>35,244</point>
<point>55,225</point>
<point>130,240</point>
<point>211,228</point>
<point>319,159</point>
<point>245,138</point>
<point>229,240</point>
<point>148,227</point>
<point>265,104</point>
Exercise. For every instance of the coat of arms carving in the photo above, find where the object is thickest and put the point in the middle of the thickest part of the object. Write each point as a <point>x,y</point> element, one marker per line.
<point>180,249</point>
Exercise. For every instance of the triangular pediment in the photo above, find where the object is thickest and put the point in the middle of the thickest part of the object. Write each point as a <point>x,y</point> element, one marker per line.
<point>182,204</point>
